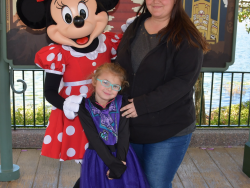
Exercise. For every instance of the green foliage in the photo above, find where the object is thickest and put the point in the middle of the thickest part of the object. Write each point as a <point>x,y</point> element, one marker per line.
<point>244,14</point>
<point>234,114</point>
<point>29,115</point>
<point>224,115</point>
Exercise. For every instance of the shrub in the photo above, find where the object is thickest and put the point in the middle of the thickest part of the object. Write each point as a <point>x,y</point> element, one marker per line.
<point>234,115</point>
<point>29,115</point>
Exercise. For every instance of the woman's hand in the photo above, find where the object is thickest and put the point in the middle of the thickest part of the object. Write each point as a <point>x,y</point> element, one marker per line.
<point>130,111</point>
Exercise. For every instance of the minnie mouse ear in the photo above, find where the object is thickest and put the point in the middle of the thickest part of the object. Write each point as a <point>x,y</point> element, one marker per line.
<point>108,4</point>
<point>32,13</point>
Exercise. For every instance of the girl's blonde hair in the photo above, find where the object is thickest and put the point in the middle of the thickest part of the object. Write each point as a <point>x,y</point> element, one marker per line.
<point>113,68</point>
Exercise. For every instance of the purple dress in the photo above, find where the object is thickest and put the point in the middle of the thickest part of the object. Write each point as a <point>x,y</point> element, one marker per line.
<point>108,135</point>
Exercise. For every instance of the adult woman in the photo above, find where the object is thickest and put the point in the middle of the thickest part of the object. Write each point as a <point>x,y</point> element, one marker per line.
<point>162,52</point>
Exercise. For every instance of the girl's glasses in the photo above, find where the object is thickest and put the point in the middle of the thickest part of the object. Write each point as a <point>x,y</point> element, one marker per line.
<point>107,84</point>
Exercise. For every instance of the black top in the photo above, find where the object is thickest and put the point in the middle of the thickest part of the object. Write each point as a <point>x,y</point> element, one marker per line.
<point>117,168</point>
<point>141,45</point>
<point>162,86</point>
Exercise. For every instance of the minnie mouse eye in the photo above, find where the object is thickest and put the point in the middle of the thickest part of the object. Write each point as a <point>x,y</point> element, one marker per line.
<point>67,15</point>
<point>83,10</point>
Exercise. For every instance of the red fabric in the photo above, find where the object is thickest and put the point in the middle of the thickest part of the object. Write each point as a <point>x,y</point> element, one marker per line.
<point>124,9</point>
<point>64,138</point>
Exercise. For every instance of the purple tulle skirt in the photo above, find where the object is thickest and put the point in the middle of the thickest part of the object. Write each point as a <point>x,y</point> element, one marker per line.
<point>93,172</point>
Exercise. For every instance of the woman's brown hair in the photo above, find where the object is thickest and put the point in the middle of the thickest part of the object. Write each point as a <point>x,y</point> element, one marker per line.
<point>180,26</point>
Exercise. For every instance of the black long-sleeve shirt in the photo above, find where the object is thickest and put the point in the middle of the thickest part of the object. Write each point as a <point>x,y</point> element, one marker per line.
<point>117,168</point>
<point>162,86</point>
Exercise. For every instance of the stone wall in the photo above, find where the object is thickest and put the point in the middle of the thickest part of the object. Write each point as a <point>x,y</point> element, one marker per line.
<point>33,138</point>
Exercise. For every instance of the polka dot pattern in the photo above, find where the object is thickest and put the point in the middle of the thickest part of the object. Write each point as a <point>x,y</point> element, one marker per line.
<point>47,139</point>
<point>63,70</point>
<point>68,90</point>
<point>86,146</point>
<point>64,139</point>
<point>84,95</point>
<point>59,137</point>
<point>50,57</point>
<point>52,66</point>
<point>71,152</point>
<point>84,90</point>
<point>59,57</point>
<point>113,51</point>
<point>113,40</point>
<point>70,130</point>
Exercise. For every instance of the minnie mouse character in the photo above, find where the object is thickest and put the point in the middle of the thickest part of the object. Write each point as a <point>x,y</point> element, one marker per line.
<point>76,26</point>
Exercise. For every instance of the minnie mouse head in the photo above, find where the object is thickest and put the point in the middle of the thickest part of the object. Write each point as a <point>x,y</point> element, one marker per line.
<point>74,23</point>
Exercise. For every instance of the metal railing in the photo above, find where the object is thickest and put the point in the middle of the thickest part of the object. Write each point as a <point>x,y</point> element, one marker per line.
<point>26,114</point>
<point>217,100</point>
<point>224,99</point>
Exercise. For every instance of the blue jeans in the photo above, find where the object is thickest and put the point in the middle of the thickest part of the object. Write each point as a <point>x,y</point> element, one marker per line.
<point>161,160</point>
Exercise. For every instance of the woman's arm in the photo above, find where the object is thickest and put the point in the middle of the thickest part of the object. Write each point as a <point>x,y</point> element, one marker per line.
<point>117,168</point>
<point>187,65</point>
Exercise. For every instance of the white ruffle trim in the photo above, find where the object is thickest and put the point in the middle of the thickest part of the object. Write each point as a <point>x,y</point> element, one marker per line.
<point>91,55</point>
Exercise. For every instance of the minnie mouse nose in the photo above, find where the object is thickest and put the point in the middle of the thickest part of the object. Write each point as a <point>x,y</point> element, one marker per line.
<point>78,21</point>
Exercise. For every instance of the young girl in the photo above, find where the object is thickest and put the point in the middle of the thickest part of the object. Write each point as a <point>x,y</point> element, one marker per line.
<point>109,160</point>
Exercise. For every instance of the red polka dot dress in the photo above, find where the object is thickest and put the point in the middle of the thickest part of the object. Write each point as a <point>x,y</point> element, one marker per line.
<point>65,139</point>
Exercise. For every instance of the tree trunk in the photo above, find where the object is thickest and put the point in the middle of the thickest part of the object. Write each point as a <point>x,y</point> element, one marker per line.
<point>200,104</point>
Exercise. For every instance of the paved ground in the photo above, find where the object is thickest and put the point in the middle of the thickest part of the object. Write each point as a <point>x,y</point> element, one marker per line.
<point>210,168</point>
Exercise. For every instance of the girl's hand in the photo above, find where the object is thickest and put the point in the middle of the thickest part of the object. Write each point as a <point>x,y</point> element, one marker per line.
<point>108,175</point>
<point>130,111</point>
